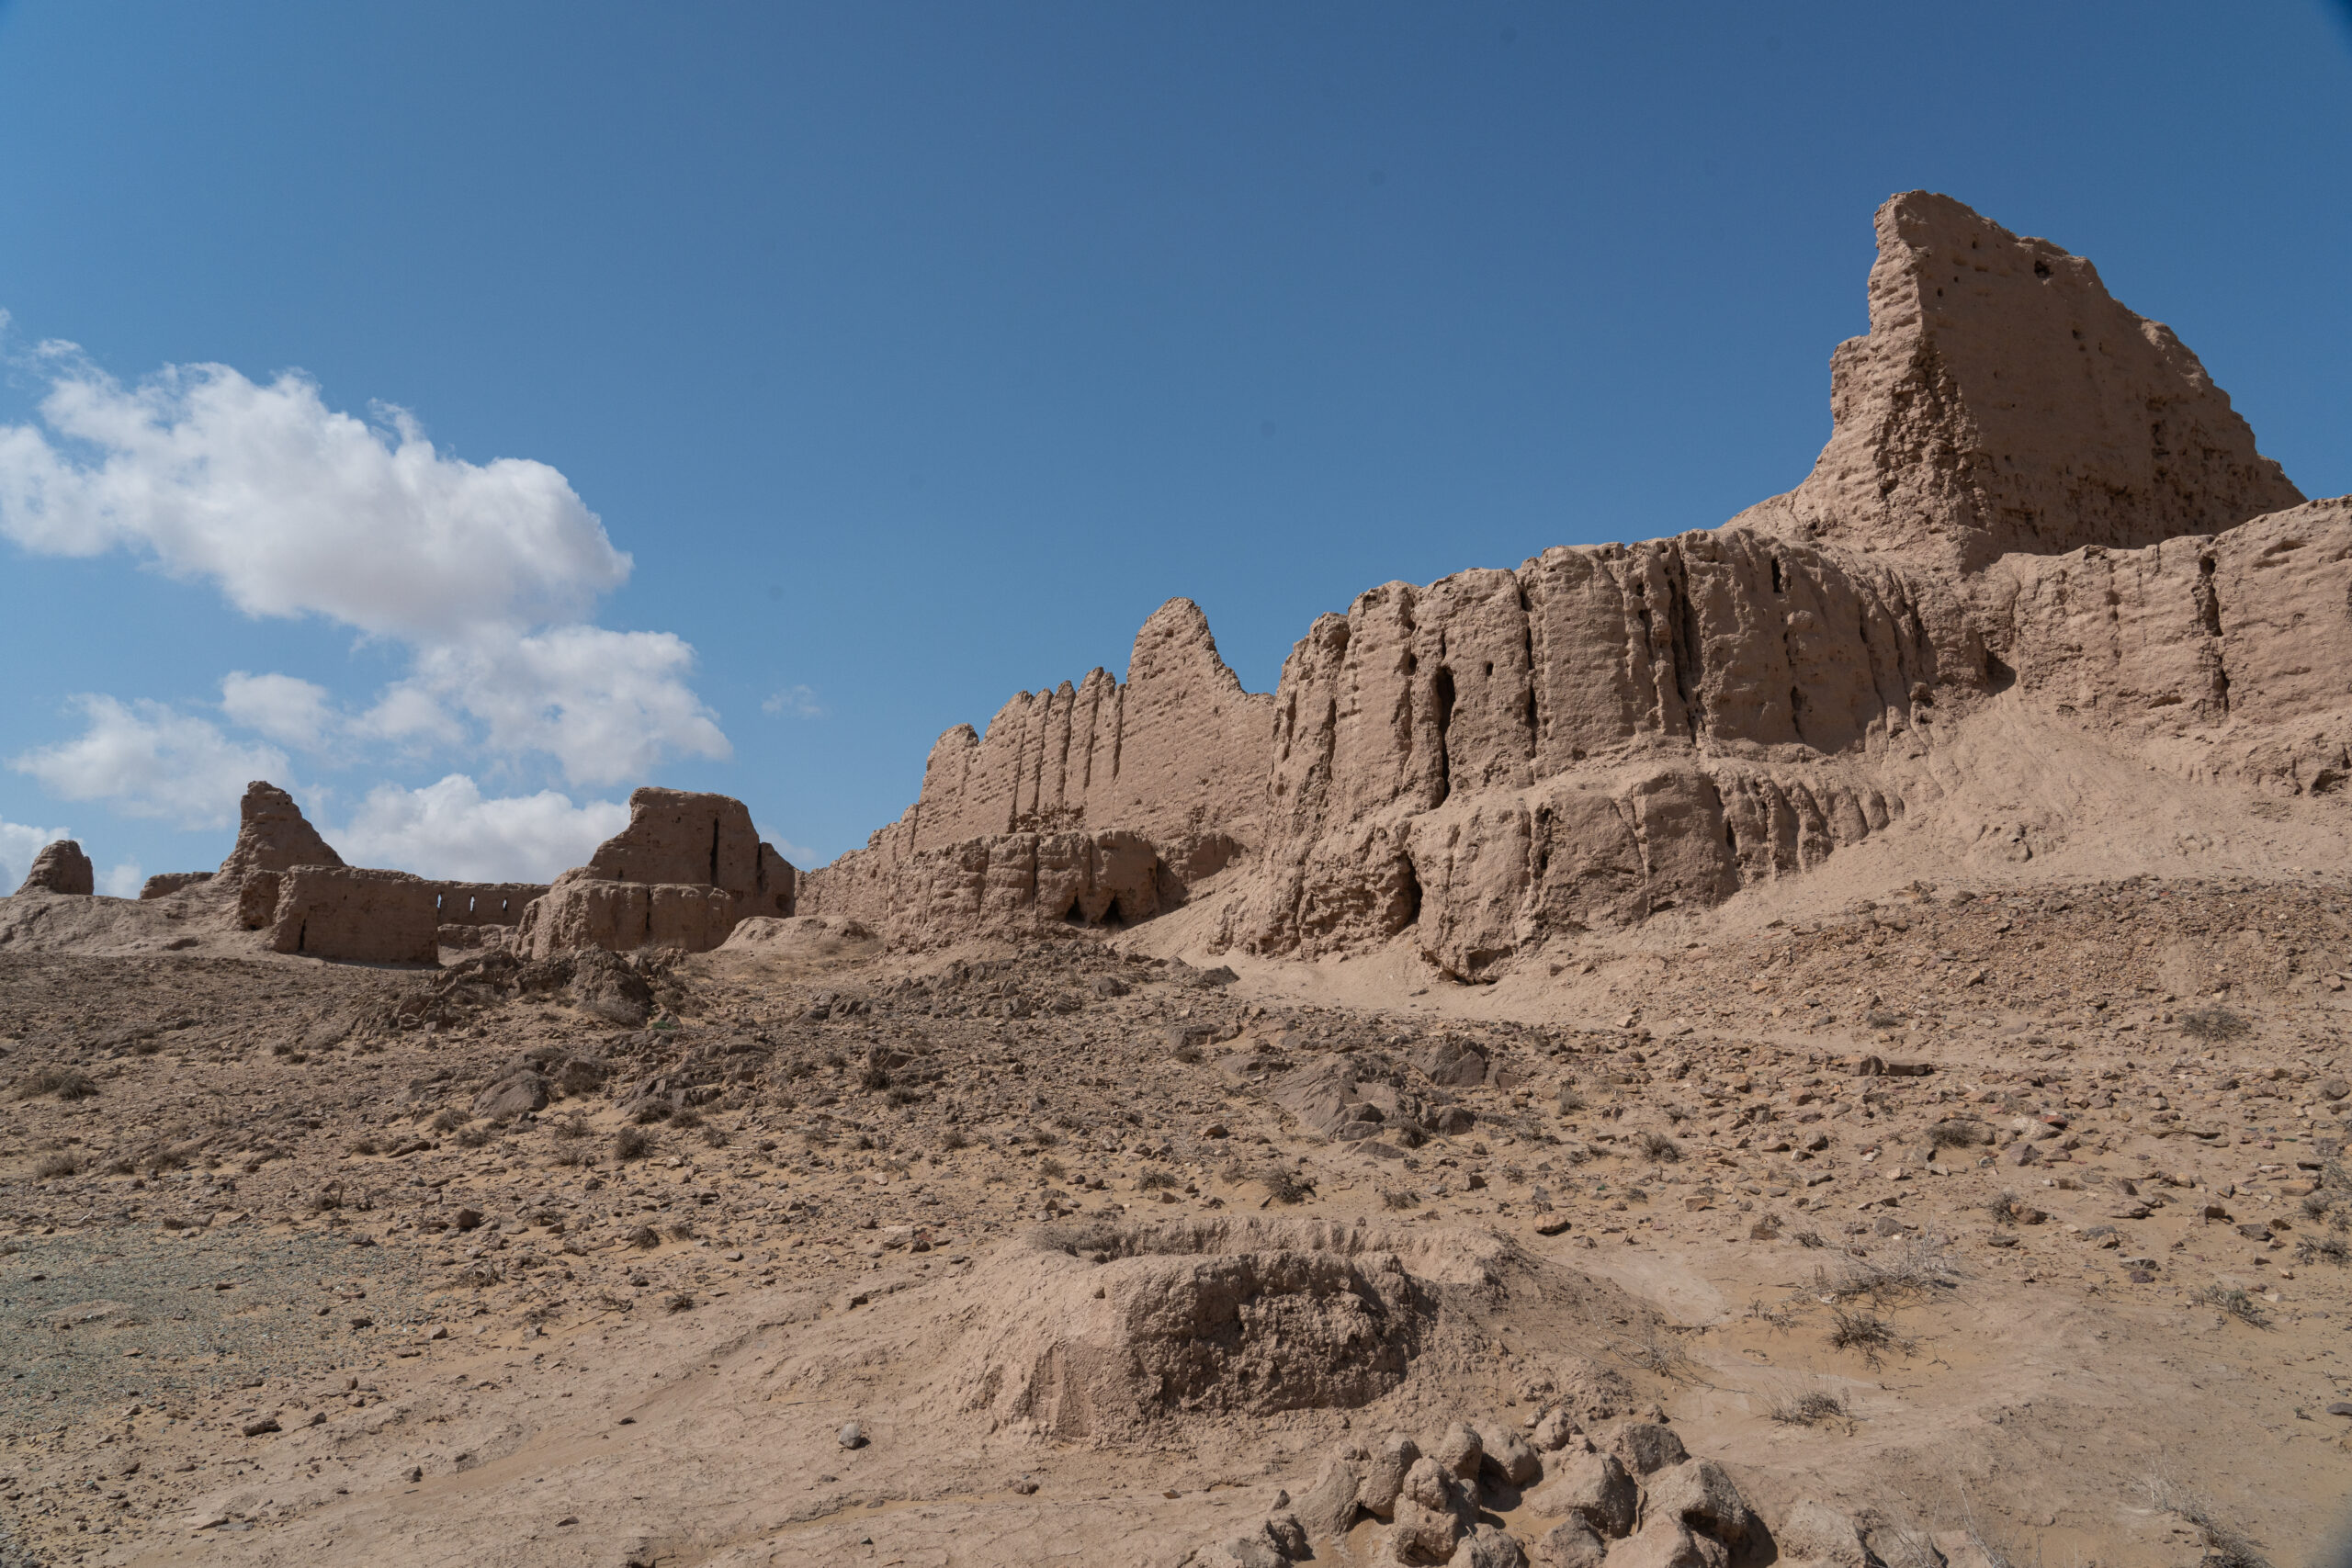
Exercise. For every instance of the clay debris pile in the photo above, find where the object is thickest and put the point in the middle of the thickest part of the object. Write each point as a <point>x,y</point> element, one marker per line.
<point>1627,1492</point>
<point>2035,507</point>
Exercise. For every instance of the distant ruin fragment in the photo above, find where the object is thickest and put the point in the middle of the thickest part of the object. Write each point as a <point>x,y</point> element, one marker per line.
<point>61,867</point>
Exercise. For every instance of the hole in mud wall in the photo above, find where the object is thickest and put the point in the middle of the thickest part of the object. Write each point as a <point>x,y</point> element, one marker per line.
<point>1779,577</point>
<point>1074,915</point>
<point>1412,898</point>
<point>1441,697</point>
<point>1998,677</point>
<point>1113,916</point>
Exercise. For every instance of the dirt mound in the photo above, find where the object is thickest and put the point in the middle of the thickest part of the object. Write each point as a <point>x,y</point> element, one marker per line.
<point>1106,1332</point>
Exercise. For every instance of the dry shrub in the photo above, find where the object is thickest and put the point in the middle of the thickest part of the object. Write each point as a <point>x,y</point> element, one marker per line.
<point>1399,1197</point>
<point>2233,1300</point>
<point>1284,1184</point>
<point>651,1111</point>
<point>1808,1407</point>
<point>52,1166</point>
<point>1959,1133</point>
<point>2214,1024</point>
<point>474,1137</point>
<point>1912,1266</point>
<point>1155,1181</point>
<point>1659,1147</point>
<point>633,1142</point>
<point>714,1135</point>
<point>1864,1330</point>
<point>448,1121</point>
<point>572,1126</point>
<point>645,1238</point>
<point>685,1117</point>
<point>954,1138</point>
<point>64,1082</point>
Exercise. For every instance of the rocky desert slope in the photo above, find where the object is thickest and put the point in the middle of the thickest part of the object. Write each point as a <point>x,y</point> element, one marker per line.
<point>1817,1042</point>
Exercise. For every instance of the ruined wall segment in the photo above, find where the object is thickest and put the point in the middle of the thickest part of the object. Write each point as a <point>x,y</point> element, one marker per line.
<point>1099,802</point>
<point>61,867</point>
<point>2003,401</point>
<point>356,915</point>
<point>686,868</point>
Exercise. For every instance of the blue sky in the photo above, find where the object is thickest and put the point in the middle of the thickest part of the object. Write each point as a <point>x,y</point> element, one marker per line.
<point>462,412</point>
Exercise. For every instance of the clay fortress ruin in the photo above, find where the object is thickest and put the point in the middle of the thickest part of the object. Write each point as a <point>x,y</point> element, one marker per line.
<point>2037,530</point>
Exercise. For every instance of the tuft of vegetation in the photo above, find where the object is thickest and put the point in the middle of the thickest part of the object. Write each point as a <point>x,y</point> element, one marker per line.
<point>52,1167</point>
<point>448,1121</point>
<point>633,1142</point>
<point>1809,1407</point>
<point>1961,1133</point>
<point>1570,1101</point>
<point>1913,1267</point>
<point>475,1138</point>
<point>365,1146</point>
<point>875,1078</point>
<point>1661,1148</point>
<point>2226,1546</point>
<point>714,1135</point>
<point>2233,1300</point>
<point>954,1138</point>
<point>573,1127</point>
<point>64,1082</point>
<point>1399,1197</point>
<point>1864,1330</point>
<point>2324,1249</point>
<point>645,1238</point>
<point>1156,1182</point>
<point>1284,1184</point>
<point>651,1111</point>
<point>2214,1024</point>
<point>1053,1168</point>
<point>685,1118</point>
<point>573,1156</point>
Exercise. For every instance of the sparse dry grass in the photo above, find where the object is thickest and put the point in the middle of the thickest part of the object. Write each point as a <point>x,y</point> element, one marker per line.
<point>633,1142</point>
<point>2226,1546</point>
<point>1659,1147</point>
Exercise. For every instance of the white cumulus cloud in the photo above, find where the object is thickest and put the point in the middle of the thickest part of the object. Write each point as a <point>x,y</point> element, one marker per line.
<point>19,842</point>
<point>121,881</point>
<point>147,760</point>
<point>605,705</point>
<point>450,830</point>
<point>295,712</point>
<point>293,508</point>
<point>486,573</point>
